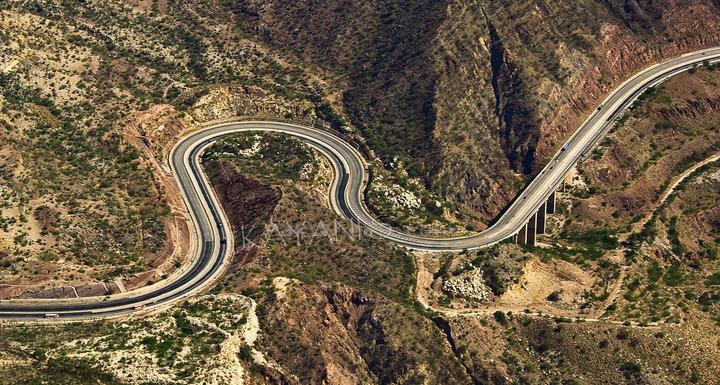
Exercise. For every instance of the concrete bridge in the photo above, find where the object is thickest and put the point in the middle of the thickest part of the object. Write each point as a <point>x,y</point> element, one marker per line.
<point>527,235</point>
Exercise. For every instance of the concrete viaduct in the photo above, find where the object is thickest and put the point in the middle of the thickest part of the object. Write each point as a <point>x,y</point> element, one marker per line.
<point>527,235</point>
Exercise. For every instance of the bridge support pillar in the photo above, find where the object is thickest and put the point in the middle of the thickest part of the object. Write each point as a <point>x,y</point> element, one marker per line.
<point>522,236</point>
<point>551,204</point>
<point>531,230</point>
<point>541,219</point>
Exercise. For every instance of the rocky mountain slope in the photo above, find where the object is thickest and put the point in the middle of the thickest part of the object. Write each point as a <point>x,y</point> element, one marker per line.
<point>467,97</point>
<point>477,94</point>
<point>92,94</point>
<point>327,321</point>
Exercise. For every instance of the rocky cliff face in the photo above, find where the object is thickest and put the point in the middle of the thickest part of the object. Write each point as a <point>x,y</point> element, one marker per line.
<point>477,94</point>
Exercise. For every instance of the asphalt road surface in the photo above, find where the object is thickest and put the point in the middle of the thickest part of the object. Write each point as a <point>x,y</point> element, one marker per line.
<point>214,243</point>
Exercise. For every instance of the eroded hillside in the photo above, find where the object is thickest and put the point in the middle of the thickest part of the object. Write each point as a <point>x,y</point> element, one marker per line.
<point>92,96</point>
<point>475,95</point>
<point>460,100</point>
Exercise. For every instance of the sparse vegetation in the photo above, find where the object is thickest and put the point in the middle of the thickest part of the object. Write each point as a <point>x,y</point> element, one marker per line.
<point>81,202</point>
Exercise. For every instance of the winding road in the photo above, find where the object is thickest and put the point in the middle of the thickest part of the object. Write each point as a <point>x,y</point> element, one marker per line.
<point>214,241</point>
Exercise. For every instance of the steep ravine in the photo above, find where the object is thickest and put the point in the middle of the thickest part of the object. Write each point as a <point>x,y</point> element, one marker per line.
<point>445,327</point>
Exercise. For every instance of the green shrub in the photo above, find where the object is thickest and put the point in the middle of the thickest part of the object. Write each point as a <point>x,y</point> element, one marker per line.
<point>674,237</point>
<point>713,279</point>
<point>601,238</point>
<point>554,296</point>
<point>674,276</point>
<point>654,272</point>
<point>501,318</point>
